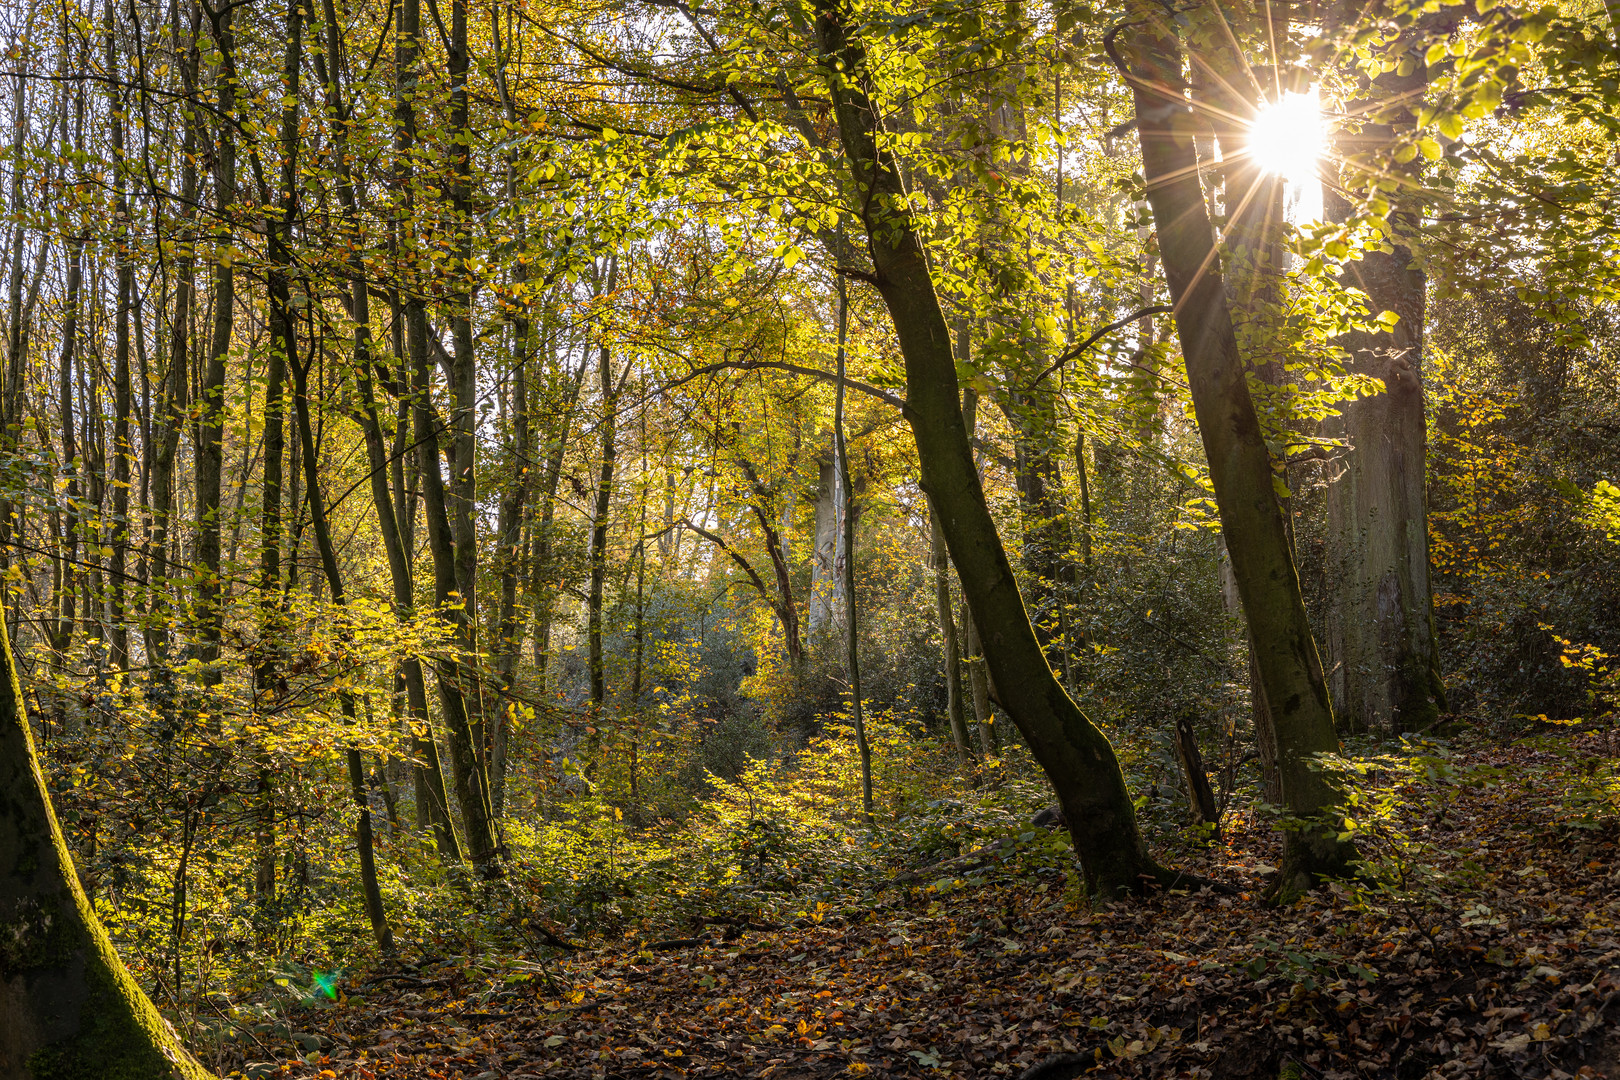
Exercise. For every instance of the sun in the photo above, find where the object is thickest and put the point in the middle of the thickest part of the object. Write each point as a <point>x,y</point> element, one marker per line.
<point>1287,136</point>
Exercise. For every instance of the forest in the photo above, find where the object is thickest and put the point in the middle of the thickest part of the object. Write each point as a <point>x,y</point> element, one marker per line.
<point>809,539</point>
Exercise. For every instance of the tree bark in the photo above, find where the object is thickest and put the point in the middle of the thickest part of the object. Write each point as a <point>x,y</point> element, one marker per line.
<point>413,360</point>
<point>954,710</point>
<point>372,893</point>
<point>118,629</point>
<point>603,507</point>
<point>209,438</point>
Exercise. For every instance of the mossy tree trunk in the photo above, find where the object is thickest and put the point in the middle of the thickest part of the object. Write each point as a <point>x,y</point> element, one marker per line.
<point>68,1006</point>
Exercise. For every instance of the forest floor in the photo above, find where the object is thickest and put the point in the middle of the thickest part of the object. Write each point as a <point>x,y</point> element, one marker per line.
<point>1495,953</point>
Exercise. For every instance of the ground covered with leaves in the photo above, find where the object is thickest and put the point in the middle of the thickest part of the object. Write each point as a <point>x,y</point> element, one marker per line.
<point>1486,942</point>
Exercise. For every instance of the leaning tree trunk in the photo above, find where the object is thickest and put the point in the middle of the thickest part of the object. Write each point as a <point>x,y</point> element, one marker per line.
<point>1077,757</point>
<point>1239,464</point>
<point>369,889</point>
<point>68,1006</point>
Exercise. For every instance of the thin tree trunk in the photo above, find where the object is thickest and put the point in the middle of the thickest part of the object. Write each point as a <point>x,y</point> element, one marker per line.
<point>334,582</point>
<point>118,636</point>
<point>954,710</point>
<point>283,351</point>
<point>466,765</point>
<point>173,397</point>
<point>463,487</point>
<point>411,325</point>
<point>852,615</point>
<point>984,715</point>
<point>209,438</point>
<point>609,432</point>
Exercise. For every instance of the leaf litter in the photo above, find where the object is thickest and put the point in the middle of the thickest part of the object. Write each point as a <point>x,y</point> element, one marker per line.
<point>1511,968</point>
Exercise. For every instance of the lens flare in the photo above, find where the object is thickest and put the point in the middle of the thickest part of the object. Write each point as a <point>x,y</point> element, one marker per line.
<point>1287,137</point>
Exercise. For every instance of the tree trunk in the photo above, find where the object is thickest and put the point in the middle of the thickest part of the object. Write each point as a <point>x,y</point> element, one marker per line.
<point>118,630</point>
<point>455,674</point>
<point>954,710</point>
<point>334,581</point>
<point>826,584</point>
<point>68,1006</point>
<point>412,323</point>
<point>463,487</point>
<point>1200,796</point>
<point>175,388</point>
<point>852,612</point>
<point>283,351</point>
<point>984,714</point>
<point>1240,466</point>
<point>1383,651</point>
<point>603,506</point>
<point>209,439</point>
<point>1077,756</point>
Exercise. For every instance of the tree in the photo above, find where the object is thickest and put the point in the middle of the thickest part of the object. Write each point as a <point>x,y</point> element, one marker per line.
<point>1077,757</point>
<point>71,1008</point>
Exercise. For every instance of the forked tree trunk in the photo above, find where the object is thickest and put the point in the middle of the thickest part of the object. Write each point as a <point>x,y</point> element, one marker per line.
<point>68,1006</point>
<point>1077,757</point>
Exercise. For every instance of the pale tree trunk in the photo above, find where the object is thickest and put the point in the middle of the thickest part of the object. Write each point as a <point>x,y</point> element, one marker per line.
<point>826,584</point>
<point>603,507</point>
<point>540,568</point>
<point>68,1006</point>
<point>1383,651</point>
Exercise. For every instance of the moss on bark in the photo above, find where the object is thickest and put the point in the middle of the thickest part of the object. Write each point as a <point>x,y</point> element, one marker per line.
<point>69,1009</point>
